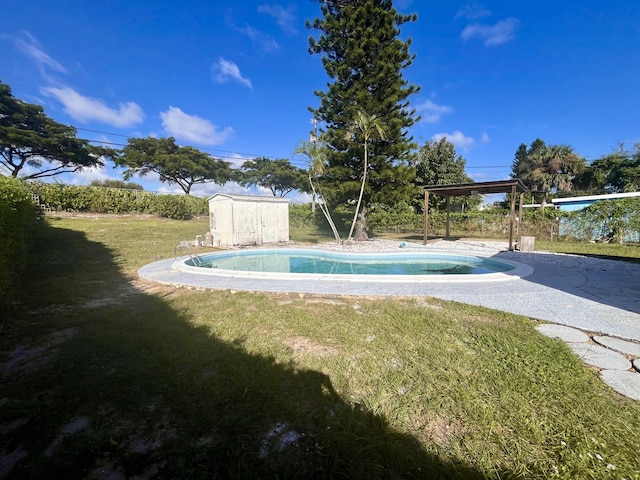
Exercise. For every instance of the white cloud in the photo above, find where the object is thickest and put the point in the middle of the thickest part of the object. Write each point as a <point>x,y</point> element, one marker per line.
<point>192,128</point>
<point>236,160</point>
<point>85,109</point>
<point>431,112</point>
<point>209,189</point>
<point>485,138</point>
<point>479,176</point>
<point>30,46</point>
<point>266,42</point>
<point>285,17</point>
<point>226,70</point>
<point>492,35</point>
<point>457,138</point>
<point>472,11</point>
<point>88,174</point>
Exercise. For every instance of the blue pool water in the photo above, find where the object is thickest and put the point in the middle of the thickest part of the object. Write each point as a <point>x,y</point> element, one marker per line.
<point>316,262</point>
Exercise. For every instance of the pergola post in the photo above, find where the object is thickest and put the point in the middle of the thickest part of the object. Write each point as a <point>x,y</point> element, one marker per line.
<point>520,221</point>
<point>426,217</point>
<point>448,211</point>
<point>512,216</point>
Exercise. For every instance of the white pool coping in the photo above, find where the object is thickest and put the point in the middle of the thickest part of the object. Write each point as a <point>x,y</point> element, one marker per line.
<point>518,271</point>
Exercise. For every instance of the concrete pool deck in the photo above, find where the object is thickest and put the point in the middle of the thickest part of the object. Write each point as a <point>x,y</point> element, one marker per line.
<point>587,293</point>
<point>578,294</point>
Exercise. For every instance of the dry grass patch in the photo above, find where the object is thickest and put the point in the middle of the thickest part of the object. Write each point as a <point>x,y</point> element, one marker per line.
<point>302,346</point>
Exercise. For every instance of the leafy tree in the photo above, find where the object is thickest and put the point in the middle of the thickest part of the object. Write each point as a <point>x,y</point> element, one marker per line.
<point>279,175</point>
<point>547,168</point>
<point>364,58</point>
<point>367,126</point>
<point>184,166</point>
<point>117,184</point>
<point>438,164</point>
<point>317,157</point>
<point>614,173</point>
<point>31,140</point>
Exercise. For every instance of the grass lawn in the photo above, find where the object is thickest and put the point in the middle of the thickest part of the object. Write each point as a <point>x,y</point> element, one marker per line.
<point>103,374</point>
<point>614,251</point>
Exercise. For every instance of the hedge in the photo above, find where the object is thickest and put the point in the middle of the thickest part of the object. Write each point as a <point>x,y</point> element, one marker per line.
<point>18,216</point>
<point>59,197</point>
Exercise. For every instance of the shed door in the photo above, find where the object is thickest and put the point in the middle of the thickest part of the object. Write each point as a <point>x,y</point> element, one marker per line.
<point>270,225</point>
<point>246,216</point>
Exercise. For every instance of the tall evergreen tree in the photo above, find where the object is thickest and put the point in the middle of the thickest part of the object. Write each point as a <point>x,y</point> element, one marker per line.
<point>364,58</point>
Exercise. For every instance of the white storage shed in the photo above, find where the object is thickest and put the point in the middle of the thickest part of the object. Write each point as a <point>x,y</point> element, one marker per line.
<point>248,219</point>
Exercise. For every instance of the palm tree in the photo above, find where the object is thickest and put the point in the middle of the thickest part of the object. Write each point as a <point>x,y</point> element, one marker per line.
<point>557,168</point>
<point>367,125</point>
<point>544,168</point>
<point>317,157</point>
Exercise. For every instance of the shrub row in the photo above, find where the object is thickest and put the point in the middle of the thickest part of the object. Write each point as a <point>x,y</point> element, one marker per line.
<point>482,223</point>
<point>75,198</point>
<point>614,220</point>
<point>617,220</point>
<point>402,219</point>
<point>18,217</point>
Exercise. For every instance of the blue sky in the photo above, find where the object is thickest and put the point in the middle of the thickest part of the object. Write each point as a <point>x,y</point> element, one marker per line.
<point>234,78</point>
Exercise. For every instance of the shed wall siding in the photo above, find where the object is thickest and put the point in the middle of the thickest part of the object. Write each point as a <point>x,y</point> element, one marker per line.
<point>246,226</point>
<point>248,221</point>
<point>283,222</point>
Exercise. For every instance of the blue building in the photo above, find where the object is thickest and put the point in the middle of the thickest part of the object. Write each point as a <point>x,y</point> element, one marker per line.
<point>571,204</point>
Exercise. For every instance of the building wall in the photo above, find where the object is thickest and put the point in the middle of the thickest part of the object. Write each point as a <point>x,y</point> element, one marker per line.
<point>575,206</point>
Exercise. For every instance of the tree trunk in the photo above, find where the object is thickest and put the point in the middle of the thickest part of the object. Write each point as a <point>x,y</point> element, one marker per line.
<point>325,211</point>
<point>364,181</point>
<point>361,227</point>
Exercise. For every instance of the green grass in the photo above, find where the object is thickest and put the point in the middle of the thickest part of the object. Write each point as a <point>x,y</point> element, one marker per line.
<point>629,252</point>
<point>184,383</point>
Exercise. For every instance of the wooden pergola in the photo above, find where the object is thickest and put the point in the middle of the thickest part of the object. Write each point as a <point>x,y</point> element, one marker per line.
<point>481,188</point>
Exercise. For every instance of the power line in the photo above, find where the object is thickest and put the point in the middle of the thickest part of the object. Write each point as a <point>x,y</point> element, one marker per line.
<point>231,153</point>
<point>228,158</point>
<point>248,156</point>
<point>489,166</point>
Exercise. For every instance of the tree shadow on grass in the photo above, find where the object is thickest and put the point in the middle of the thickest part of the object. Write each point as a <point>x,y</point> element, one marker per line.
<point>100,380</point>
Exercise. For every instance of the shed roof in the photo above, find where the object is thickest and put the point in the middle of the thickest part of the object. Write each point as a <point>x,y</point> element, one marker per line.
<point>480,188</point>
<point>250,198</point>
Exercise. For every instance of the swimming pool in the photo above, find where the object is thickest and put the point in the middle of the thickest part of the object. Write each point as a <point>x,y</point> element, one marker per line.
<point>296,261</point>
<point>314,265</point>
